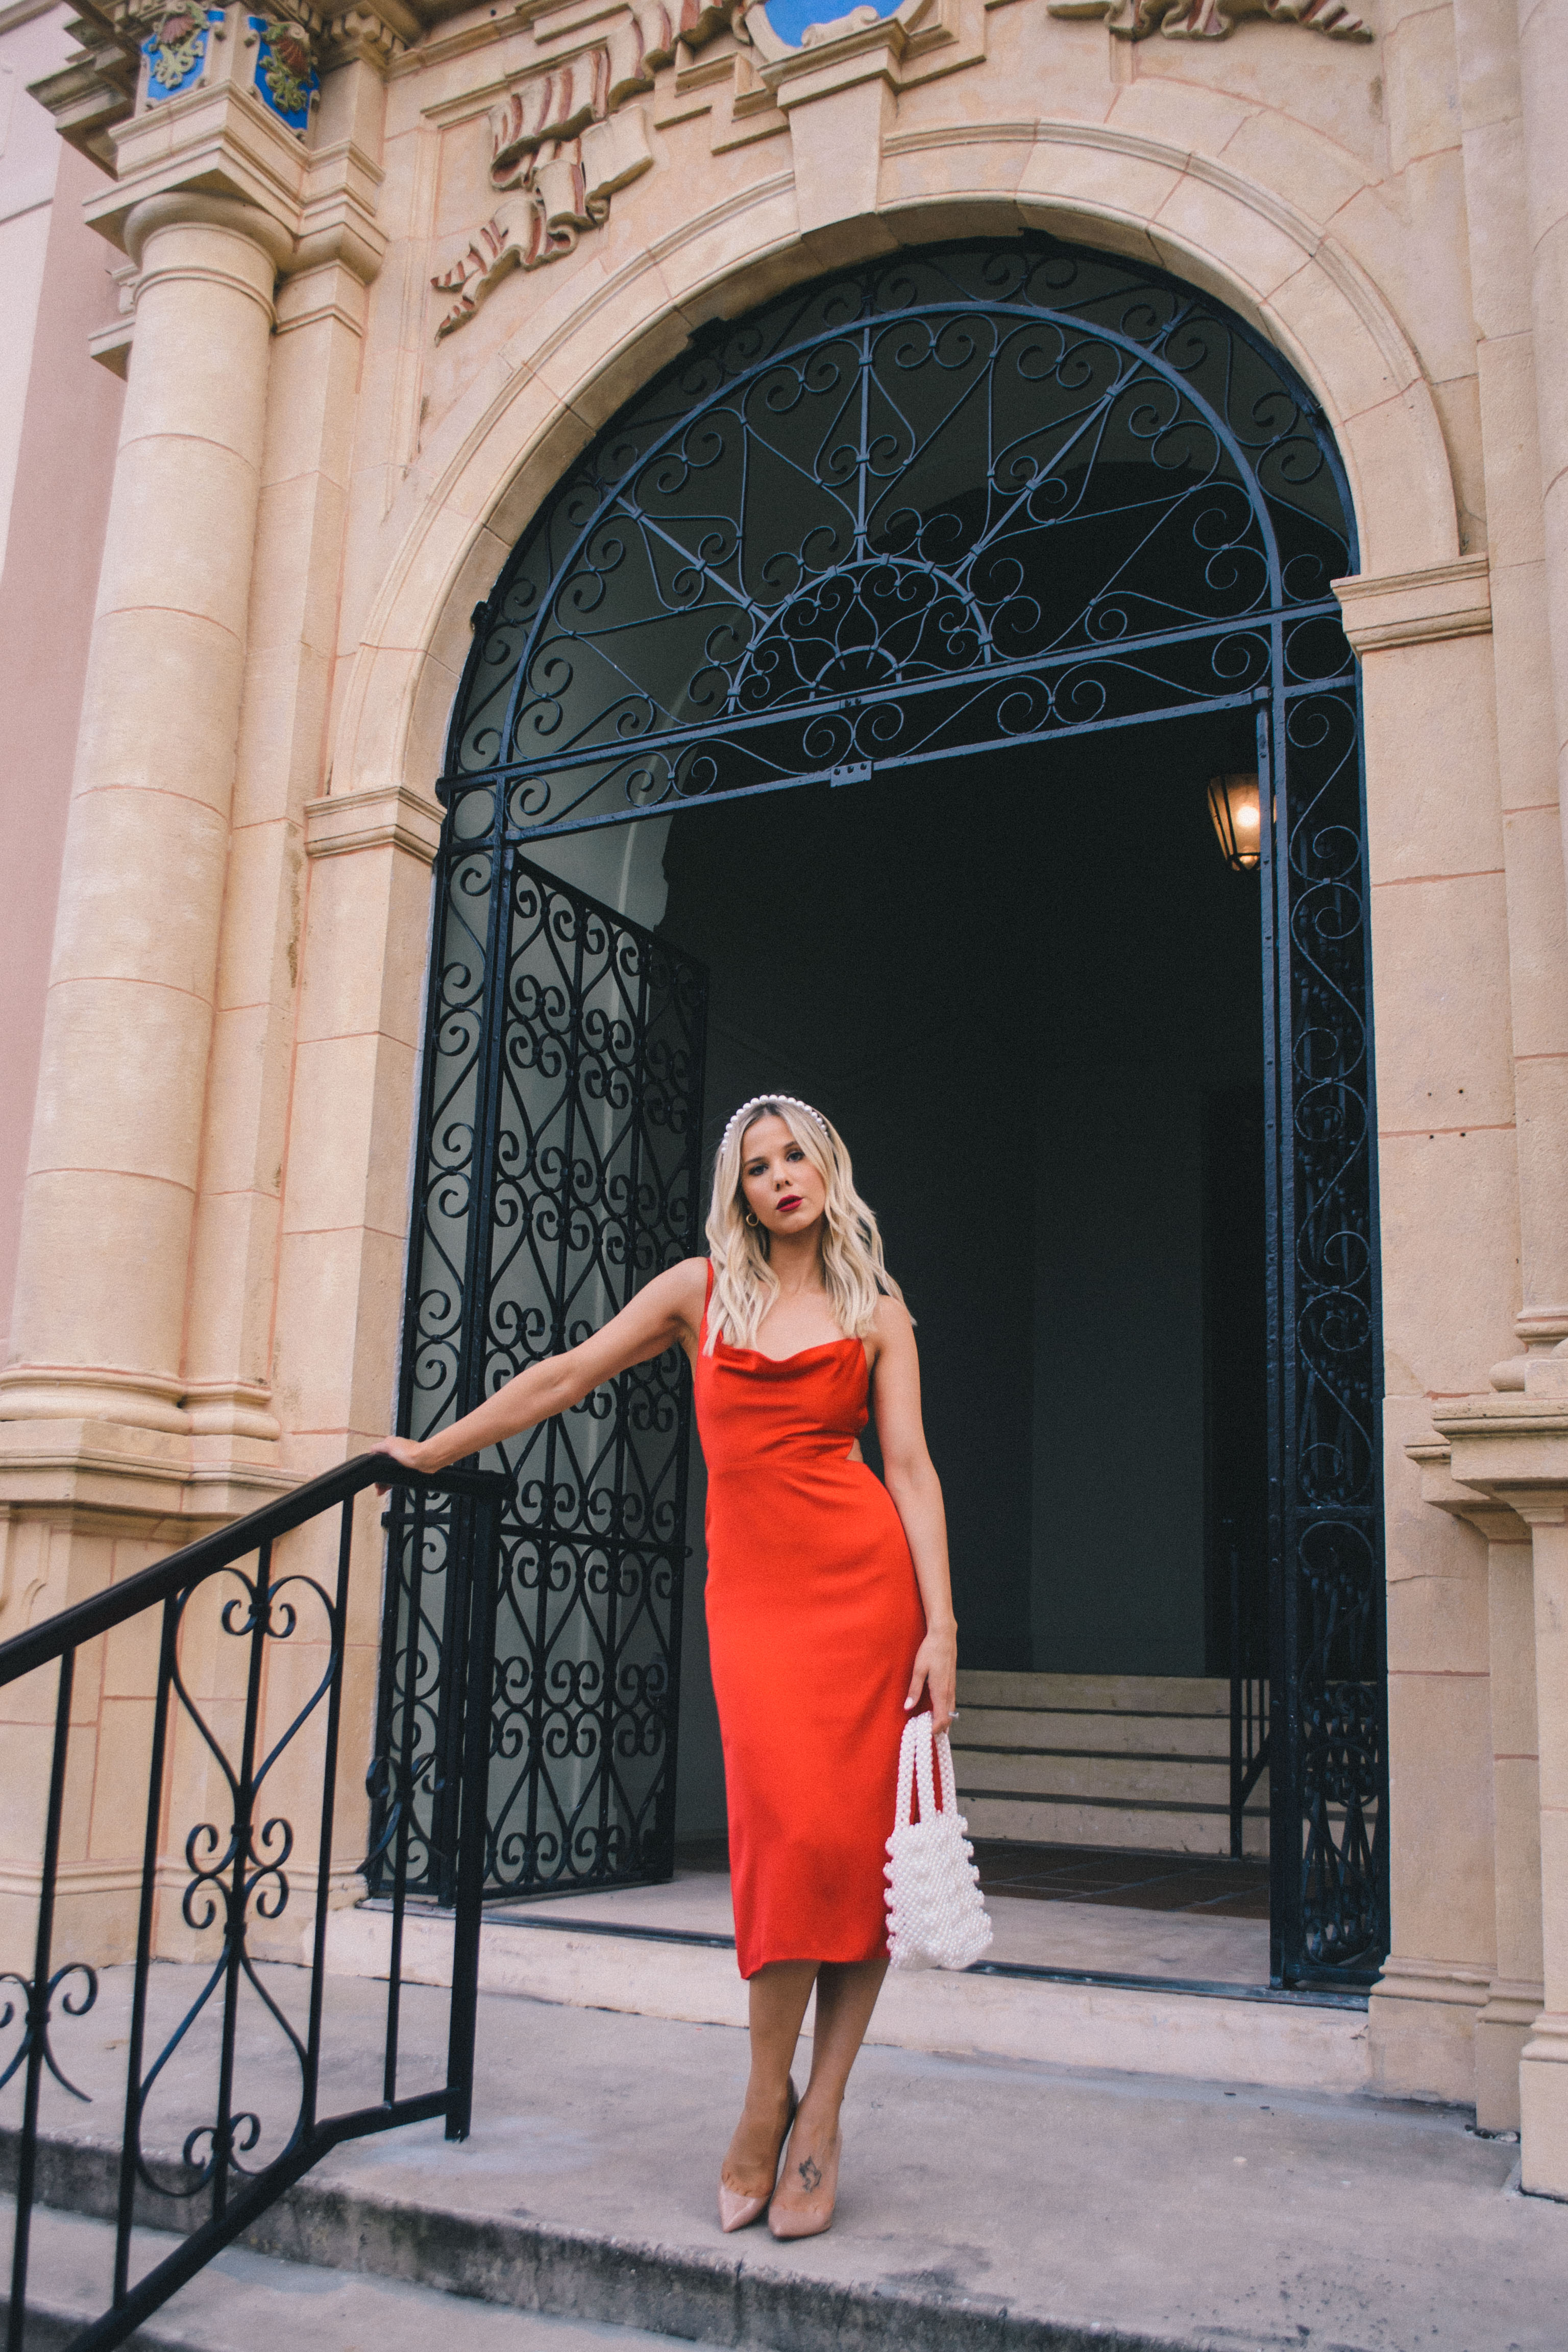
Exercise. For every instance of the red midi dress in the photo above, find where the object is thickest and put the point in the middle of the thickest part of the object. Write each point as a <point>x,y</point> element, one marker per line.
<point>813,1619</point>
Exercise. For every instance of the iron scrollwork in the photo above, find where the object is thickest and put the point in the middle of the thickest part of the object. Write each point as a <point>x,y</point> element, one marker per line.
<point>412,1781</point>
<point>1331,1633</point>
<point>236,1873</point>
<point>986,495</point>
<point>36,2013</point>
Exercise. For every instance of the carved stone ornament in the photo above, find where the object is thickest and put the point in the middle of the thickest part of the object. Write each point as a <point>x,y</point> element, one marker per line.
<point>817,37</point>
<point>561,146</point>
<point>1205,20</point>
<point>358,32</point>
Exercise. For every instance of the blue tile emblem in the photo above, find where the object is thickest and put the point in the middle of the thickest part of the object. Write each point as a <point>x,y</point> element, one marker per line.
<point>286,76</point>
<point>789,19</point>
<point>176,50</point>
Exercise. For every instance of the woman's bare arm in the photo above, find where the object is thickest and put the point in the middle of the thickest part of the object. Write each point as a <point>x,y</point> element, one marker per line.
<point>916,1490</point>
<point>669,1309</point>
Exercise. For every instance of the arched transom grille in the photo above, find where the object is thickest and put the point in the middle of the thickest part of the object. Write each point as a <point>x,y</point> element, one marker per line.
<point>961,499</point>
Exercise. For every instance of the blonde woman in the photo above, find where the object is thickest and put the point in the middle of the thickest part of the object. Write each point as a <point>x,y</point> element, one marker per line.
<point>829,1606</point>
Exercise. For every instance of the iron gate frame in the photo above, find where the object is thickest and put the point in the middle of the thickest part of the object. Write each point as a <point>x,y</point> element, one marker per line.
<point>1329,1748</point>
<point>575,920</point>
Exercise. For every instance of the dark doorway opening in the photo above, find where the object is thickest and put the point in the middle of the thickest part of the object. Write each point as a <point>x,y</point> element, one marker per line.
<point>1027,989</point>
<point>1236,1384</point>
<point>1023,993</point>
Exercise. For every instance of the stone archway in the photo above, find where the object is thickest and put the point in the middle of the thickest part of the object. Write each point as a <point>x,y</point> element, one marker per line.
<point>1125,451</point>
<point>495,457</point>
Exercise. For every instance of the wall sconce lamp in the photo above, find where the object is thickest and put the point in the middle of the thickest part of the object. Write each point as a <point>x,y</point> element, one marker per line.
<point>1237,820</point>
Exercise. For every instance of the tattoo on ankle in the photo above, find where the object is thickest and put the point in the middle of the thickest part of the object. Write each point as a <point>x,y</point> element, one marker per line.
<point>810,2173</point>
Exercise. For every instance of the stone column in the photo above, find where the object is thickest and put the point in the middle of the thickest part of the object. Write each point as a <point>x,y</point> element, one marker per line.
<point>96,1448</point>
<point>295,596</point>
<point>1491,112</point>
<point>1543,82</point>
<point>1491,115</point>
<point>1544,2067</point>
<point>1514,1995</point>
<point>1513,1451</point>
<point>262,1053</point>
<point>107,1221</point>
<point>1448,1189</point>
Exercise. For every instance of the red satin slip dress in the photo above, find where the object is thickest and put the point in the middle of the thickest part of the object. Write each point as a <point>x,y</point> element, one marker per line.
<point>813,1619</point>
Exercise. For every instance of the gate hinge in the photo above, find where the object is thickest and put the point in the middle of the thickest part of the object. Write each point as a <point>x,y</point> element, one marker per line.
<point>854,773</point>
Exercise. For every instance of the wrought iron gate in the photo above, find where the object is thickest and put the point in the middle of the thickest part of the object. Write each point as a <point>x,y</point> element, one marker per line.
<point>561,1115</point>
<point>992,494</point>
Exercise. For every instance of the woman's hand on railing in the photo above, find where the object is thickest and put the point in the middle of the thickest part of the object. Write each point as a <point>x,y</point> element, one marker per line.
<point>406,1450</point>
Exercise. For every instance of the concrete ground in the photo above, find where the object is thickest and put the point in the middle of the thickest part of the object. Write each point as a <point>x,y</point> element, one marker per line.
<point>1047,1992</point>
<point>1057,1934</point>
<point>983,2202</point>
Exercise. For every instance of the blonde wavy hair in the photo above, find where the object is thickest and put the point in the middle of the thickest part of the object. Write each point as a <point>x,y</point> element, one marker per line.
<point>744,1285</point>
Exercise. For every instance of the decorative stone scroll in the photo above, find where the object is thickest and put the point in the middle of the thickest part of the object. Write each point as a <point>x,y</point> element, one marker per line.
<point>558,196</point>
<point>561,146</point>
<point>1205,20</point>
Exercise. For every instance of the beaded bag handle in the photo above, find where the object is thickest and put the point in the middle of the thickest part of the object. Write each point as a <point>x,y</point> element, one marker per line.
<point>917,1751</point>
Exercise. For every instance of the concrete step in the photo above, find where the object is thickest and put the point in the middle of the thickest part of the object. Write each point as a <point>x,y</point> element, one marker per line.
<point>245,2300</point>
<point>1085,1821</point>
<point>986,2206</point>
<point>1003,2009</point>
<point>1202,1781</point>
<point>1117,1732</point>
<point>1101,1760</point>
<point>1096,1694</point>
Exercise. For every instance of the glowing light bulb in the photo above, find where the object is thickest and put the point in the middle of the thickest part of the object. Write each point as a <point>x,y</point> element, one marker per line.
<point>1236,812</point>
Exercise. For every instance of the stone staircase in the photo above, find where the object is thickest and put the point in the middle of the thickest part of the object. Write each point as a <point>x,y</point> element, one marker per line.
<point>987,2207</point>
<point>1137,1760</point>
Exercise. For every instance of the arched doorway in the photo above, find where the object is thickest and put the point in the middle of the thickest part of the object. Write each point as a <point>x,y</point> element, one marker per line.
<point>996,496</point>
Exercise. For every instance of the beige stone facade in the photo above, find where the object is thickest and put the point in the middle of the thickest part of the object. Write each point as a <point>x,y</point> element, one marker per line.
<point>357,356</point>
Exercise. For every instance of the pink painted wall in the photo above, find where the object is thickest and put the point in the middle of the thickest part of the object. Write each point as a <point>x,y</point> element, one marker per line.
<point>71,427</point>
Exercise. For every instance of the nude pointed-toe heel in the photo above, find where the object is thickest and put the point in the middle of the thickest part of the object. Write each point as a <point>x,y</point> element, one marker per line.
<point>809,2219</point>
<point>738,2213</point>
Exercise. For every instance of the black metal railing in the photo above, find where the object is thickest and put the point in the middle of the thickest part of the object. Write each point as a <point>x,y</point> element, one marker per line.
<point>1249,1694</point>
<point>258,1727</point>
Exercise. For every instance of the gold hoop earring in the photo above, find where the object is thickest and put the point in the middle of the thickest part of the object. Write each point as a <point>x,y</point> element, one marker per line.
<point>752,1217</point>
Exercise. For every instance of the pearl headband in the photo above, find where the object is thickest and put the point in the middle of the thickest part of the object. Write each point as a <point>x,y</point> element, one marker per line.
<point>748,1110</point>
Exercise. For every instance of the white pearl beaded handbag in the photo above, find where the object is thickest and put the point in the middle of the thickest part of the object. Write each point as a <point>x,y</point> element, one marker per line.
<point>936,1913</point>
